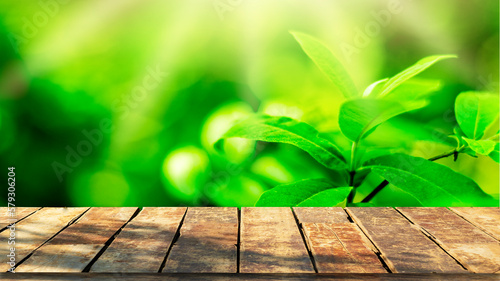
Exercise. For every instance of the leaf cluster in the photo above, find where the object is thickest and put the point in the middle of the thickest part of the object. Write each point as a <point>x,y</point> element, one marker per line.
<point>430,183</point>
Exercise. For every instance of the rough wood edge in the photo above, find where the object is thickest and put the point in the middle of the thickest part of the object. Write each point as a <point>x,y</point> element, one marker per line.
<point>72,221</point>
<point>217,224</point>
<point>438,242</point>
<point>24,217</point>
<point>250,276</point>
<point>305,240</point>
<point>366,239</point>
<point>176,236</point>
<point>386,262</point>
<point>475,224</point>
<point>310,268</point>
<point>109,241</point>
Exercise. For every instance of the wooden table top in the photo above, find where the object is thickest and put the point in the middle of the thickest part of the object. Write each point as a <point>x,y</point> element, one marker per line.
<point>208,243</point>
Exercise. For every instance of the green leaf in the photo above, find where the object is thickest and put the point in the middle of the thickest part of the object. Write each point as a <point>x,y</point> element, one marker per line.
<point>374,152</point>
<point>372,87</point>
<point>327,63</point>
<point>495,154</point>
<point>430,183</point>
<point>360,117</point>
<point>294,194</point>
<point>411,71</point>
<point>414,89</point>
<point>327,198</point>
<point>289,131</point>
<point>483,147</point>
<point>362,205</point>
<point>475,112</point>
<point>462,145</point>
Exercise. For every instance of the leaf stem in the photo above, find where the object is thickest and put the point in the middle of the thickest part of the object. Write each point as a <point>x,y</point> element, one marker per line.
<point>454,152</point>
<point>350,197</point>
<point>354,147</point>
<point>444,155</point>
<point>384,183</point>
<point>352,172</point>
<point>375,191</point>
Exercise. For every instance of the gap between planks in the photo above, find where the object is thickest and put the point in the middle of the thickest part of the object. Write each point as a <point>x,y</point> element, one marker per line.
<point>433,239</point>
<point>176,237</point>
<point>374,247</point>
<point>238,244</point>
<point>475,250</point>
<point>306,241</point>
<point>337,244</point>
<point>109,241</point>
<point>75,246</point>
<point>143,243</point>
<point>25,213</point>
<point>488,224</point>
<point>74,218</point>
<point>207,242</point>
<point>271,242</point>
<point>402,245</point>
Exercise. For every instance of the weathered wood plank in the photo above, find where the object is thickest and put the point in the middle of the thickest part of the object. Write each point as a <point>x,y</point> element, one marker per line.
<point>60,258</point>
<point>75,247</point>
<point>207,243</point>
<point>253,277</point>
<point>142,245</point>
<point>6,215</point>
<point>473,248</point>
<point>270,242</point>
<point>404,248</point>
<point>337,245</point>
<point>339,248</point>
<point>321,215</point>
<point>33,231</point>
<point>95,227</point>
<point>487,219</point>
<point>326,230</point>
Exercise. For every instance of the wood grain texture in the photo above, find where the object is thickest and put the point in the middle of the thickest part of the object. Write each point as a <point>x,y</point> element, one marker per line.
<point>242,276</point>
<point>337,245</point>
<point>487,219</point>
<point>474,249</point>
<point>271,242</point>
<point>142,245</point>
<point>340,248</point>
<point>97,226</point>
<point>321,215</point>
<point>75,247</point>
<point>404,248</point>
<point>60,258</point>
<point>7,216</point>
<point>412,241</point>
<point>207,243</point>
<point>33,231</point>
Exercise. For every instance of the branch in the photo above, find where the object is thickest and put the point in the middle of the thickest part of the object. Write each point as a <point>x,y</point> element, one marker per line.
<point>375,191</point>
<point>444,155</point>
<point>385,182</point>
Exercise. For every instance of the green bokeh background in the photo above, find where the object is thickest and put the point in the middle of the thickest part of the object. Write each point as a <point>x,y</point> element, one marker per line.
<point>118,103</point>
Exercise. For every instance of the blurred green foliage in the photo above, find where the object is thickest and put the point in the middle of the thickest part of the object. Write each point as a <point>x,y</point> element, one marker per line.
<point>106,103</point>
